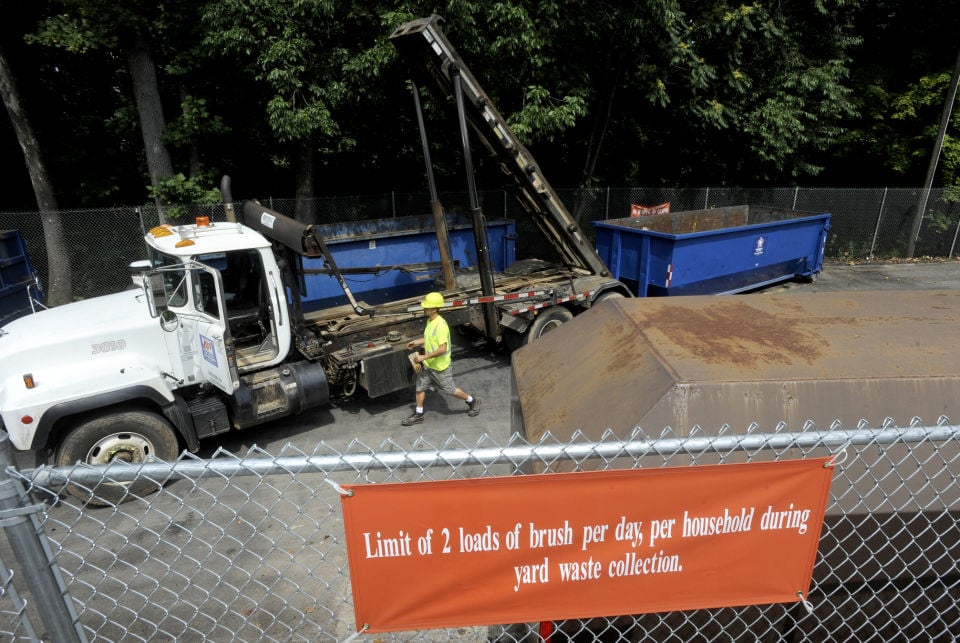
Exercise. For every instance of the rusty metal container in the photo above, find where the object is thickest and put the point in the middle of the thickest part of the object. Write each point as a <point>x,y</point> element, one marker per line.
<point>760,358</point>
<point>706,362</point>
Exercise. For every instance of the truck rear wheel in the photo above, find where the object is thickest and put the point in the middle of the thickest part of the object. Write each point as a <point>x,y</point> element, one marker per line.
<point>130,436</point>
<point>548,320</point>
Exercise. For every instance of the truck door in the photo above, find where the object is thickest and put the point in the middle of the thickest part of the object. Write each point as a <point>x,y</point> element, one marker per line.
<point>213,344</point>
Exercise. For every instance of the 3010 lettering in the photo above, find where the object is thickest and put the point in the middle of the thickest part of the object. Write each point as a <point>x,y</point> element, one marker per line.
<point>109,346</point>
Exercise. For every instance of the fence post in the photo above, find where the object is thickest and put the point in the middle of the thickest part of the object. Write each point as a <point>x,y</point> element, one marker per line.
<point>876,229</point>
<point>953,245</point>
<point>28,542</point>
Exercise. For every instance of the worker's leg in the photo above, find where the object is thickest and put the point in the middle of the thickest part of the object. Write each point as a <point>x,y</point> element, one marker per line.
<point>423,381</point>
<point>445,383</point>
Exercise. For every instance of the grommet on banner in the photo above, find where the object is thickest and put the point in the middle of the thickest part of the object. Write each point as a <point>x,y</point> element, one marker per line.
<point>807,604</point>
<point>363,629</point>
<point>339,489</point>
<point>838,458</point>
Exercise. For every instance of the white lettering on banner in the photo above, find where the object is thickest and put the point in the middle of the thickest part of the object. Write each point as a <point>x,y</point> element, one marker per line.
<point>789,519</point>
<point>387,547</point>
<point>531,574</point>
<point>485,540</point>
<point>584,570</point>
<point>553,537</point>
<point>695,526</point>
<point>628,531</point>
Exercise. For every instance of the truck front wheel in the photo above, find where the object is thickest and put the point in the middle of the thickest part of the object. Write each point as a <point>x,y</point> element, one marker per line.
<point>129,436</point>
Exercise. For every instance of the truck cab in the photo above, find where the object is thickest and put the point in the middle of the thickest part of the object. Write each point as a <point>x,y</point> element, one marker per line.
<point>222,293</point>
<point>201,347</point>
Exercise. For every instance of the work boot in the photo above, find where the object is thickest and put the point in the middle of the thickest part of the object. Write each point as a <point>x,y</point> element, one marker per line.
<point>474,407</point>
<point>416,418</point>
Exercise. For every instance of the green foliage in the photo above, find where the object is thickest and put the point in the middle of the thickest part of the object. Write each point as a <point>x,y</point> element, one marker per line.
<point>662,91</point>
<point>180,192</point>
<point>544,117</point>
<point>195,120</point>
<point>74,33</point>
<point>291,50</point>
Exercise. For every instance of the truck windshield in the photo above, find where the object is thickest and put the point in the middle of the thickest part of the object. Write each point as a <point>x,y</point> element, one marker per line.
<point>174,277</point>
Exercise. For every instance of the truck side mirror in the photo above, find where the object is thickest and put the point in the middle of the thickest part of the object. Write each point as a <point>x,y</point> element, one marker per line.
<point>136,270</point>
<point>155,292</point>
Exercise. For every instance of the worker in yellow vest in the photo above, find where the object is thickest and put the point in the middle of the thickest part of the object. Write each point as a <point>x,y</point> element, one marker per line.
<point>435,360</point>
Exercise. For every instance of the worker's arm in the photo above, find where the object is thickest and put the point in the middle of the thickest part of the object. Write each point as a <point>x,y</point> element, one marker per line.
<point>441,349</point>
<point>415,342</point>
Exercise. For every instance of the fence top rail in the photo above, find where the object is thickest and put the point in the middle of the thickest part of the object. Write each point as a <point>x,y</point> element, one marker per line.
<point>516,452</point>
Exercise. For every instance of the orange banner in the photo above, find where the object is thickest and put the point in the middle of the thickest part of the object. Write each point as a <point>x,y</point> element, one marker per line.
<point>579,545</point>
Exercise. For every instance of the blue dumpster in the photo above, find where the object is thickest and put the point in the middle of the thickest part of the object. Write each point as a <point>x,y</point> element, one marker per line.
<point>18,286</point>
<point>713,251</point>
<point>402,257</point>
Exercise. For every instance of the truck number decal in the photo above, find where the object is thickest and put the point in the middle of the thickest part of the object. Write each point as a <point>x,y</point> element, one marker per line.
<point>106,347</point>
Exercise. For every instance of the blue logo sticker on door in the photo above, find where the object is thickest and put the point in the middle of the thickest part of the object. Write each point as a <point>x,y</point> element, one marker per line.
<point>209,349</point>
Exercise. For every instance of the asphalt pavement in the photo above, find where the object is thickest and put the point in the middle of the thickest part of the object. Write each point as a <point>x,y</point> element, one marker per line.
<point>376,425</point>
<point>486,373</point>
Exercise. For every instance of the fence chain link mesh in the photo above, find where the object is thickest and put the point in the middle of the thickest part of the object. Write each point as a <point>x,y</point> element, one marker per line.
<point>867,223</point>
<point>250,546</point>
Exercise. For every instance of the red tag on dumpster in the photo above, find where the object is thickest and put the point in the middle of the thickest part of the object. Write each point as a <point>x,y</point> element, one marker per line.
<point>580,545</point>
<point>648,210</point>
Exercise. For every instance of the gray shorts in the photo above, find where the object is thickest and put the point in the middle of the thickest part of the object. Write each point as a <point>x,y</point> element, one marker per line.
<point>439,380</point>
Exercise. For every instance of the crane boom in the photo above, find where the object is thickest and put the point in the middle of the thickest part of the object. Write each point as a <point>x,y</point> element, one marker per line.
<point>436,63</point>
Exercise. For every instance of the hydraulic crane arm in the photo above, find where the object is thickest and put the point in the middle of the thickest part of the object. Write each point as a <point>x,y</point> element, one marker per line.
<point>436,63</point>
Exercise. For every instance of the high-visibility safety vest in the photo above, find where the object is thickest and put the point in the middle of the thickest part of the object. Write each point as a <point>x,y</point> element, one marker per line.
<point>435,335</point>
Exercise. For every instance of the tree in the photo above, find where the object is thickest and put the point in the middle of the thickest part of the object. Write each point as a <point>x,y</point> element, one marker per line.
<point>664,91</point>
<point>59,288</point>
<point>279,45</point>
<point>135,31</point>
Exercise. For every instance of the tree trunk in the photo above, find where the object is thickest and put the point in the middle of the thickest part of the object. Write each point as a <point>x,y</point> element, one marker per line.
<point>59,286</point>
<point>193,158</point>
<point>921,207</point>
<point>598,131</point>
<point>305,210</point>
<point>146,95</point>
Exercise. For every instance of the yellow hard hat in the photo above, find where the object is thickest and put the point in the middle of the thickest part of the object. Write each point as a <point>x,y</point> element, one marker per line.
<point>432,300</point>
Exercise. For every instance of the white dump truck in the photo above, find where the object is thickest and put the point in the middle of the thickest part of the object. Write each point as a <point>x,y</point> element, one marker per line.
<point>214,336</point>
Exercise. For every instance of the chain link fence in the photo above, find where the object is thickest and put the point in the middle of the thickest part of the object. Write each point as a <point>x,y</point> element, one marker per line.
<point>867,223</point>
<point>251,547</point>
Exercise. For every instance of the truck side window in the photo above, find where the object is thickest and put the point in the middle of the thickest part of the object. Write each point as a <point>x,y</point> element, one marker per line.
<point>174,278</point>
<point>206,295</point>
<point>176,286</point>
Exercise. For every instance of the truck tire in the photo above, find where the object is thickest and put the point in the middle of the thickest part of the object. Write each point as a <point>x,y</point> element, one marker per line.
<point>131,436</point>
<point>548,320</point>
